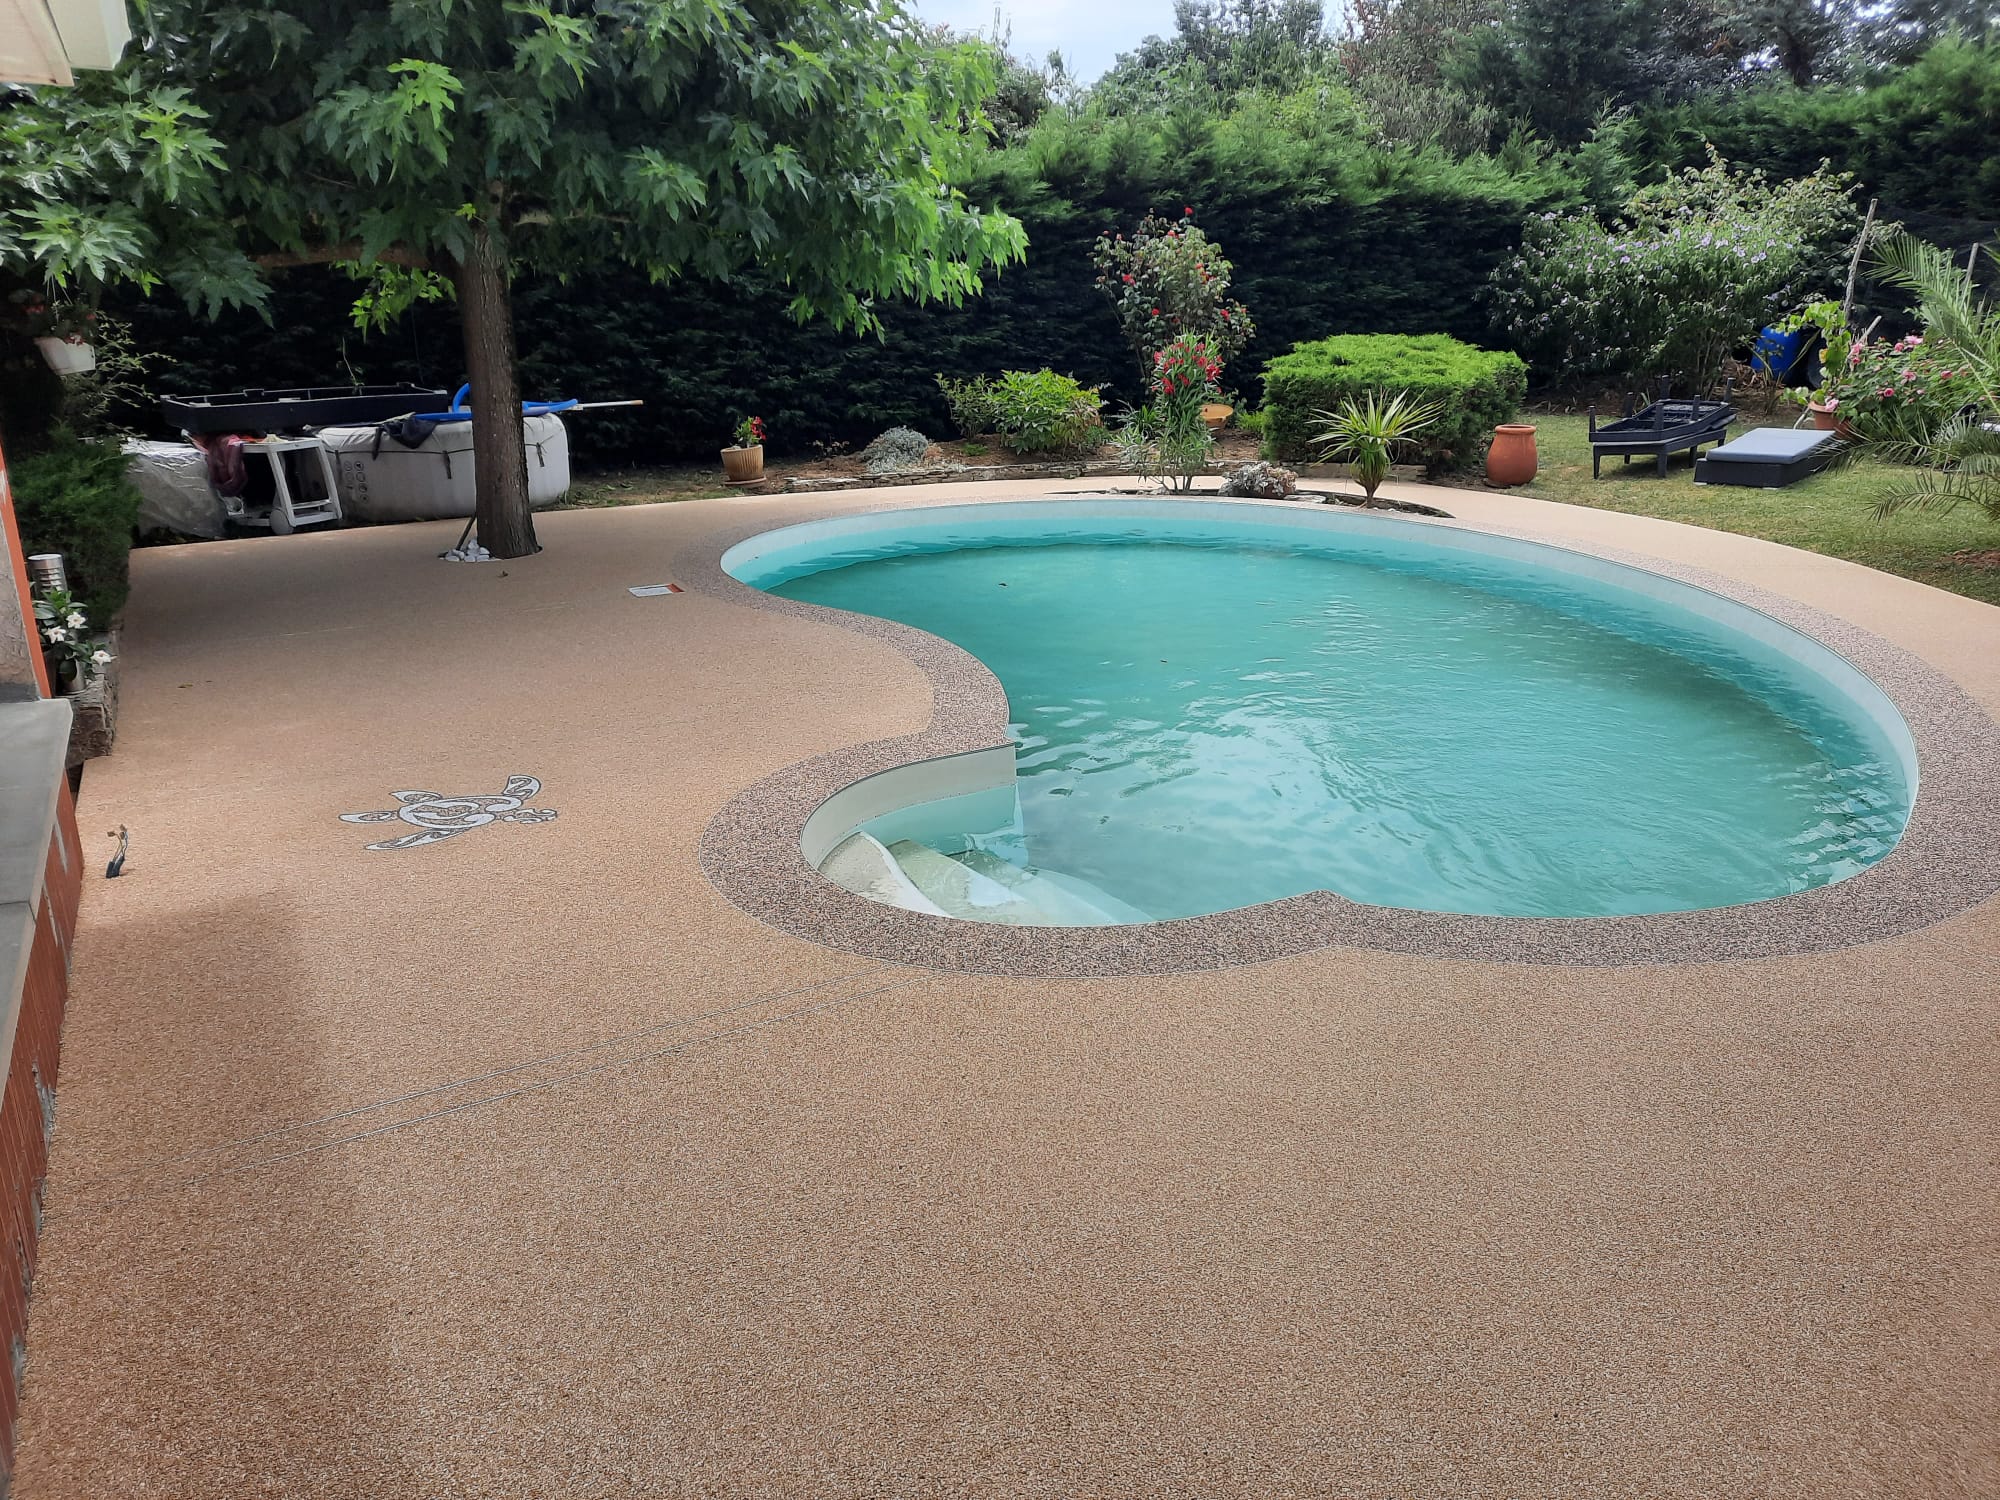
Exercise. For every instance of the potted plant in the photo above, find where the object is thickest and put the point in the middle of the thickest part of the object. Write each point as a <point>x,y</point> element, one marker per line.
<point>61,331</point>
<point>68,651</point>
<point>1368,434</point>
<point>743,461</point>
<point>1838,353</point>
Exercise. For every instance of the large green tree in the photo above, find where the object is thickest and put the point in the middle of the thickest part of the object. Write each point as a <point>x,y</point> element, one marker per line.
<point>464,141</point>
<point>1227,48</point>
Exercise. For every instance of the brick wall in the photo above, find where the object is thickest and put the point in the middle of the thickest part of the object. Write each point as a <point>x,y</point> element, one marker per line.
<point>27,1108</point>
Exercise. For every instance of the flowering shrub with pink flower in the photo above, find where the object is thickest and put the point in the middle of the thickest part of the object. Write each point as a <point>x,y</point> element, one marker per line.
<point>1168,281</point>
<point>1184,379</point>
<point>1691,270</point>
<point>1168,439</point>
<point>1953,369</point>
<point>1900,389</point>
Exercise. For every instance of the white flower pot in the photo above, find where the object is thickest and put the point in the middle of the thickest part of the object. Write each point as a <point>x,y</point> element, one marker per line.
<point>66,358</point>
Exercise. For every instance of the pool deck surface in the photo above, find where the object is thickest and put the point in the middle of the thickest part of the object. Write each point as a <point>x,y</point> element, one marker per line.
<point>525,1164</point>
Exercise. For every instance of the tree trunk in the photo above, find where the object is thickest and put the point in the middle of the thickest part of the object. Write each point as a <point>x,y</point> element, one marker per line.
<point>499,450</point>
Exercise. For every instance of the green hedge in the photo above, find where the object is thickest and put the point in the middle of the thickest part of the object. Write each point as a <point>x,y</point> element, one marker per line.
<point>1921,138</point>
<point>74,498</point>
<point>1327,234</point>
<point>1480,389</point>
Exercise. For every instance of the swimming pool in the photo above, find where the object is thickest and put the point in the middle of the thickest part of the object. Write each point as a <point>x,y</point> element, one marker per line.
<point>1220,705</point>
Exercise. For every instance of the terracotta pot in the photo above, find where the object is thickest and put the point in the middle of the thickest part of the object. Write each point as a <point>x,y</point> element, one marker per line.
<point>1512,459</point>
<point>743,465</point>
<point>1825,420</point>
<point>1216,414</point>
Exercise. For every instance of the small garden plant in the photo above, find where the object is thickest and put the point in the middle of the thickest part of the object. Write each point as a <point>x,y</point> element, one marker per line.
<point>895,451</point>
<point>1168,439</point>
<point>1029,411</point>
<point>749,433</point>
<point>1475,390</point>
<point>1369,433</point>
<point>1836,343</point>
<point>970,402</point>
<point>1170,281</point>
<point>66,638</point>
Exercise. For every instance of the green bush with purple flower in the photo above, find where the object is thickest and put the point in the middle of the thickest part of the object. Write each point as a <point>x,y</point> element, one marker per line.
<point>1689,270</point>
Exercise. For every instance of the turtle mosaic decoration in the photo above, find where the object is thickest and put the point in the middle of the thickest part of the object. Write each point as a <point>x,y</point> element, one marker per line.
<point>440,817</point>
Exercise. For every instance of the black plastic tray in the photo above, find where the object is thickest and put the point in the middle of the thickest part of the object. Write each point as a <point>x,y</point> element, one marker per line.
<point>307,406</point>
<point>1665,419</point>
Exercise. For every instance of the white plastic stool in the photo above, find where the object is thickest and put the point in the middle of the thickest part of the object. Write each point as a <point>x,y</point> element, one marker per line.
<point>303,489</point>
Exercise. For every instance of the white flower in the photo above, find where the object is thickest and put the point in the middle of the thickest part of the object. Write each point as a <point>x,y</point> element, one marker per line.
<point>57,635</point>
<point>76,621</point>
<point>99,658</point>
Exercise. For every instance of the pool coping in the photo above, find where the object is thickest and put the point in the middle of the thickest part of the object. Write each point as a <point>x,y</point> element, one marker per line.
<point>1946,863</point>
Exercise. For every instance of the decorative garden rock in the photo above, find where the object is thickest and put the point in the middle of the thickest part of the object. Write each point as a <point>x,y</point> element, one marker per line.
<point>1261,481</point>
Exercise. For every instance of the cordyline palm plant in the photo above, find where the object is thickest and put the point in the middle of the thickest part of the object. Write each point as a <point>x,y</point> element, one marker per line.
<point>1959,461</point>
<point>1368,433</point>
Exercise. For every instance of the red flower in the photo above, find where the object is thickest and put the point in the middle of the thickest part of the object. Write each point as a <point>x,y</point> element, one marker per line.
<point>1186,212</point>
<point>1156,312</point>
<point>1167,384</point>
<point>1128,278</point>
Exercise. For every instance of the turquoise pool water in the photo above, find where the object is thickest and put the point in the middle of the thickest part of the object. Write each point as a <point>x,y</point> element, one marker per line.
<point>1212,711</point>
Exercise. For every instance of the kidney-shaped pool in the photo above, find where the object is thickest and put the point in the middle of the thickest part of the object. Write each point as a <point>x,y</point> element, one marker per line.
<point>1216,705</point>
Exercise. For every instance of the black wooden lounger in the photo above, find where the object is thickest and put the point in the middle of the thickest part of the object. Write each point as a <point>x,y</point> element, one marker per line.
<point>1664,427</point>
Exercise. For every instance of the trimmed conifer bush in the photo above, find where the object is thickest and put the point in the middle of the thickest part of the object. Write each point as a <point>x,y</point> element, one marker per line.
<point>76,498</point>
<point>1478,388</point>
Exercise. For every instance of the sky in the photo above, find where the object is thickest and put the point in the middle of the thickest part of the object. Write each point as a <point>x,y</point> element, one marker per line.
<point>1089,33</point>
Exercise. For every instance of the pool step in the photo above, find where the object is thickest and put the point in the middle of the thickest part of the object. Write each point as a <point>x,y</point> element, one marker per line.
<point>1052,887</point>
<point>982,887</point>
<point>862,865</point>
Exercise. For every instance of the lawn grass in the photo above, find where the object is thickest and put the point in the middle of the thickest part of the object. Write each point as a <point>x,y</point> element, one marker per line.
<point>643,487</point>
<point>1828,513</point>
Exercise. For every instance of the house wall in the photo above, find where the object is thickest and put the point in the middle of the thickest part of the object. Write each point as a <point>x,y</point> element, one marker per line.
<point>41,879</point>
<point>27,1108</point>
